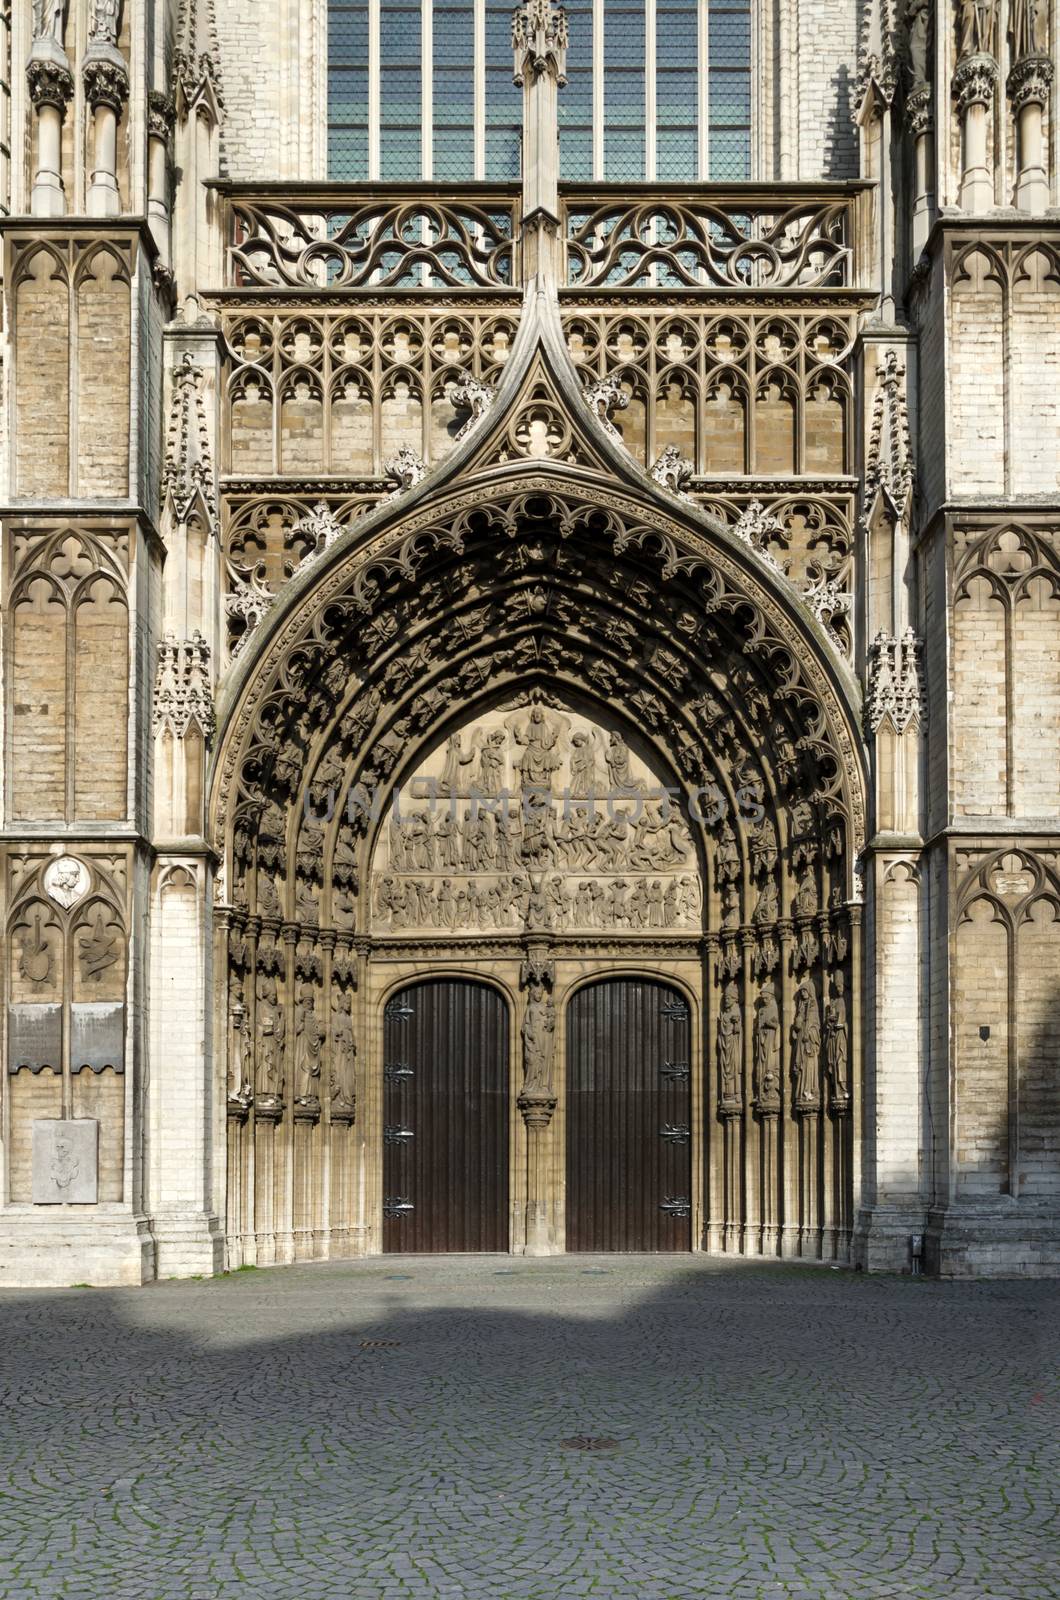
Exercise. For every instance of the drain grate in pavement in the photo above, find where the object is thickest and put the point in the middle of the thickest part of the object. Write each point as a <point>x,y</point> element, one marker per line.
<point>380,1344</point>
<point>587,1441</point>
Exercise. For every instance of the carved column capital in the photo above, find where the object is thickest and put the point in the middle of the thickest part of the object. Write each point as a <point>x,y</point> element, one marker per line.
<point>974,81</point>
<point>1029,82</point>
<point>51,83</point>
<point>918,110</point>
<point>537,1106</point>
<point>161,115</point>
<point>106,82</point>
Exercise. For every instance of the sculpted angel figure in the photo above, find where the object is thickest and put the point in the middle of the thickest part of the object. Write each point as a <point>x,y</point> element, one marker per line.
<point>584,772</point>
<point>455,759</point>
<point>491,763</point>
<point>977,22</point>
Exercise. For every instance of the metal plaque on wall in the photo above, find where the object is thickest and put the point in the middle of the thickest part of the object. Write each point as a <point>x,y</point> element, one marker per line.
<point>65,1166</point>
<point>97,1036</point>
<point>35,1038</point>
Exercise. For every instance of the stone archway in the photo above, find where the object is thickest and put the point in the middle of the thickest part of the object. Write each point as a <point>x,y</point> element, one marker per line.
<point>606,615</point>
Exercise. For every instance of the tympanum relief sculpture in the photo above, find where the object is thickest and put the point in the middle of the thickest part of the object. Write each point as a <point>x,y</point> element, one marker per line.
<point>535,816</point>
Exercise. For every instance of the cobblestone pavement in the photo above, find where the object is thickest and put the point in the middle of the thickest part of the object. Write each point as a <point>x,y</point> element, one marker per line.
<point>397,1427</point>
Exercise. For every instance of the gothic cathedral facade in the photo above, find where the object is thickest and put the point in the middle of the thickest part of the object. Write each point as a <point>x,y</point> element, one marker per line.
<point>530,584</point>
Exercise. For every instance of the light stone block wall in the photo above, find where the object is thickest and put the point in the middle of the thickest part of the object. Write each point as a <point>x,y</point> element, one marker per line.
<point>273,67</point>
<point>826,67</point>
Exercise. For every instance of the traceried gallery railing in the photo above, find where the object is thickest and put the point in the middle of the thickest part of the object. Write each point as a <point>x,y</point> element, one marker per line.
<point>382,236</point>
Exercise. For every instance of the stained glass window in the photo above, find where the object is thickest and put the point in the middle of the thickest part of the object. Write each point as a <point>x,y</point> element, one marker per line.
<point>729,90</point>
<point>348,91</point>
<point>712,37</point>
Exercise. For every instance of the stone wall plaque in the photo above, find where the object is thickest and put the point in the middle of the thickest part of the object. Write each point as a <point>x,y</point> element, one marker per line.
<point>65,1165</point>
<point>97,1036</point>
<point>35,1038</point>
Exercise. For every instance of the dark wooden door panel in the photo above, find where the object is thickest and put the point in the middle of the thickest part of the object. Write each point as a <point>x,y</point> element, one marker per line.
<point>445,1116</point>
<point>629,1152</point>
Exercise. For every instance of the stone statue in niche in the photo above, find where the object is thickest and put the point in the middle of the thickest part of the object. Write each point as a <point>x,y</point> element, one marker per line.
<point>806,1035</point>
<point>239,1049</point>
<point>1029,22</point>
<point>806,896</point>
<point>767,1049</point>
<point>763,848</point>
<point>728,855</point>
<point>918,34</point>
<point>730,1047</point>
<point>343,1054</point>
<point>271,1031</point>
<point>104,28</point>
<point>308,1047</point>
<point>837,1041</point>
<point>98,949</point>
<point>617,759</point>
<point>978,22</point>
<point>767,908</point>
<point>48,19</point>
<point>538,1034</point>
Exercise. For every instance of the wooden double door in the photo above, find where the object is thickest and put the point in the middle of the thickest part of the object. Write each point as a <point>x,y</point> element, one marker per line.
<point>446,1116</point>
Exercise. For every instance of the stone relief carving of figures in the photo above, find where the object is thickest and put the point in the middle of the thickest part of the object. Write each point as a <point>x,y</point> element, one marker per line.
<point>1029,22</point>
<point>767,908</point>
<point>730,1047</point>
<point>837,1041</point>
<point>271,1033</point>
<point>455,759</point>
<point>491,763</point>
<point>308,1046</point>
<point>806,1035</point>
<point>343,1054</point>
<point>619,767</point>
<point>806,896</point>
<point>49,17</point>
<point>918,33</point>
<point>538,1033</point>
<point>978,22</point>
<point>585,779</point>
<point>763,848</point>
<point>728,855</point>
<point>767,1049</point>
<point>541,756</point>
